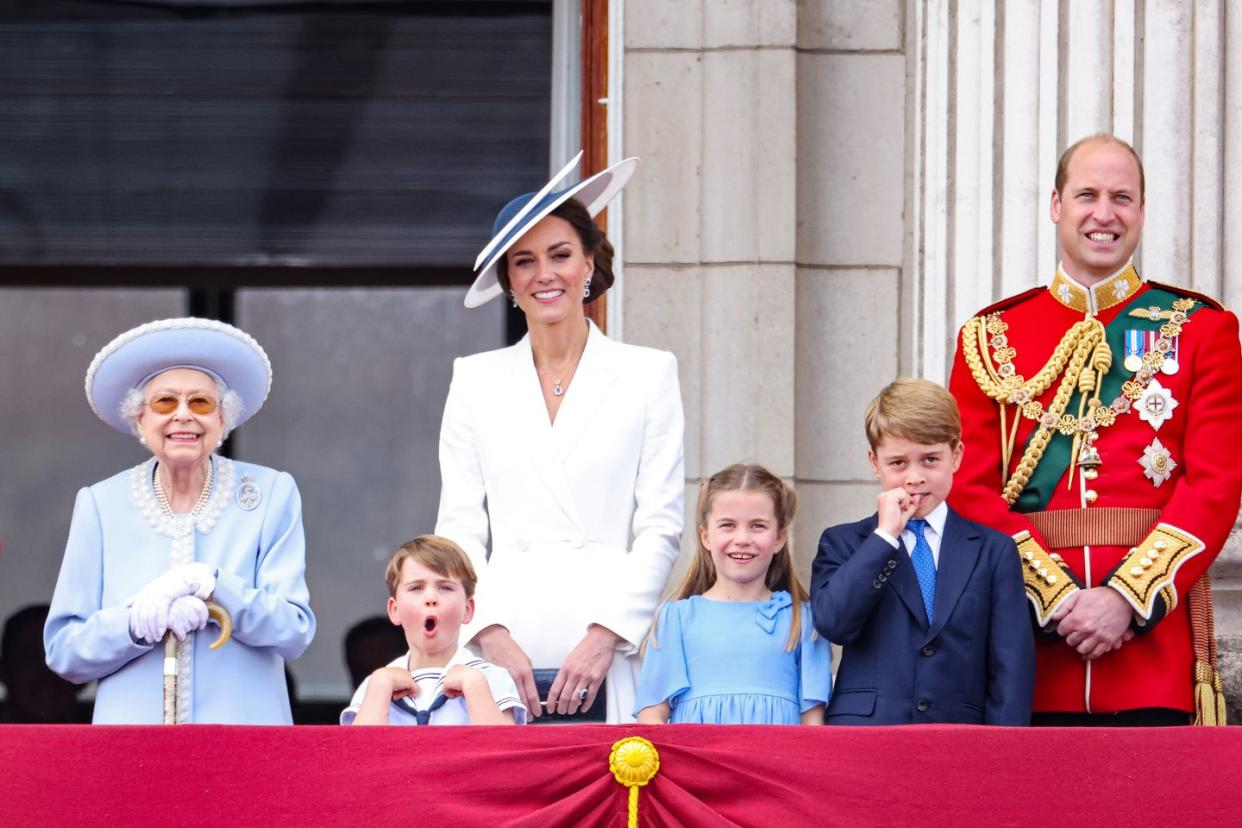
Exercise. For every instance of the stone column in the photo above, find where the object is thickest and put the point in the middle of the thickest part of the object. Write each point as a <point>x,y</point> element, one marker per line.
<point>709,105</point>
<point>852,307</point>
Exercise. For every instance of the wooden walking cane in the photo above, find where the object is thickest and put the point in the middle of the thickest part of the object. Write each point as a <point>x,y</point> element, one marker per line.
<point>171,646</point>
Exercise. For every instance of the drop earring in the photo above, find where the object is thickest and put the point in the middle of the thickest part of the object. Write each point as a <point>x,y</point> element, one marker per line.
<point>586,288</point>
<point>513,296</point>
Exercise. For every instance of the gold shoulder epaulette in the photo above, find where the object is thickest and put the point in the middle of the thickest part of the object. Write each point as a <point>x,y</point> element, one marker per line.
<point>1010,301</point>
<point>1181,290</point>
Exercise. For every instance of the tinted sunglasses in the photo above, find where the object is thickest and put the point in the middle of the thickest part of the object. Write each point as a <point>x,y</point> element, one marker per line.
<point>197,403</point>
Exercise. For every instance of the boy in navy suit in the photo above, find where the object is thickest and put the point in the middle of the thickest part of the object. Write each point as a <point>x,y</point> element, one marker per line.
<point>929,606</point>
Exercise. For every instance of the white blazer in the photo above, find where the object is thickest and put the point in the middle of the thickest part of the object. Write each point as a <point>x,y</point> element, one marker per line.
<point>585,515</point>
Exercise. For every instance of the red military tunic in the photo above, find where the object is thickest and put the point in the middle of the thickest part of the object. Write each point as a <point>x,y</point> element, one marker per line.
<point>1166,442</point>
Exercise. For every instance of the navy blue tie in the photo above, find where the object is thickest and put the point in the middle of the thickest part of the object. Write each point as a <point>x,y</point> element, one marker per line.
<point>423,716</point>
<point>924,564</point>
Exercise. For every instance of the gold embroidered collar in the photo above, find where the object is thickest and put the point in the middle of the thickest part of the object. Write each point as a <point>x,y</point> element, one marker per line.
<point>1112,291</point>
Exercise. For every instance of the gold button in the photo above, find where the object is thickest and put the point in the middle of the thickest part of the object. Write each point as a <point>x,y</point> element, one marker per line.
<point>1091,496</point>
<point>1056,557</point>
<point>1153,553</point>
<point>1090,474</point>
<point>1133,550</point>
<point>1050,580</point>
<point>1041,572</point>
<point>1136,570</point>
<point>1145,563</point>
<point>1028,554</point>
<point>1034,564</point>
<point>1161,545</point>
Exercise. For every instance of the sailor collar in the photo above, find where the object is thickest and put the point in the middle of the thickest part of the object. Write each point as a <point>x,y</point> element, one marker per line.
<point>1101,296</point>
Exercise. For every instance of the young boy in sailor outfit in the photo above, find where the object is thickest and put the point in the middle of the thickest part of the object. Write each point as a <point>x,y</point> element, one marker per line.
<point>431,594</point>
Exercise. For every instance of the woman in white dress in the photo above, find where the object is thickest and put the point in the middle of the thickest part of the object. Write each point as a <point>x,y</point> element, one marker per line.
<point>565,451</point>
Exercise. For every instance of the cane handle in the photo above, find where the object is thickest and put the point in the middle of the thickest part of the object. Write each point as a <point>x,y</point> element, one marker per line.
<point>221,616</point>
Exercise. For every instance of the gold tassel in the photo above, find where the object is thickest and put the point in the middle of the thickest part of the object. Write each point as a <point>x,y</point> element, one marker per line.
<point>1209,689</point>
<point>1218,686</point>
<point>1205,696</point>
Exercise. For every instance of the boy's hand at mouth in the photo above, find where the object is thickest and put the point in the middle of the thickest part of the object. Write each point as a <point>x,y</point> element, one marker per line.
<point>894,508</point>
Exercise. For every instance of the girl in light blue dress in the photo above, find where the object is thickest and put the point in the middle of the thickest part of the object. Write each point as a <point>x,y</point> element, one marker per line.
<point>736,644</point>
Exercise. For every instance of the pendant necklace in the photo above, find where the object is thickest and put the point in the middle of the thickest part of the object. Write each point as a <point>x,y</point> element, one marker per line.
<point>558,386</point>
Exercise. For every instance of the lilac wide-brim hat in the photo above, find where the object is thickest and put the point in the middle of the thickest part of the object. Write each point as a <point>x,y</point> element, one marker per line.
<point>229,355</point>
<point>524,212</point>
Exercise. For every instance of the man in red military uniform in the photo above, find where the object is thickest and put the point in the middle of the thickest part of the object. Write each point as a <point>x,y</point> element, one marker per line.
<point>1100,414</point>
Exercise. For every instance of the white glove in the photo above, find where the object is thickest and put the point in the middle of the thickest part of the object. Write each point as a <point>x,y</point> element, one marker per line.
<point>148,612</point>
<point>148,619</point>
<point>186,614</point>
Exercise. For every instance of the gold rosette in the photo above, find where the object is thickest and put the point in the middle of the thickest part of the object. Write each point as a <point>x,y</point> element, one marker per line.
<point>634,762</point>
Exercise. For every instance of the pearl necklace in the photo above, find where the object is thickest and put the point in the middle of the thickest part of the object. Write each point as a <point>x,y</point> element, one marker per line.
<point>203,496</point>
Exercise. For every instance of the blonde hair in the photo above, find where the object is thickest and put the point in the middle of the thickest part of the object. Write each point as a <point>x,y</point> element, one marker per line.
<point>781,575</point>
<point>914,409</point>
<point>438,554</point>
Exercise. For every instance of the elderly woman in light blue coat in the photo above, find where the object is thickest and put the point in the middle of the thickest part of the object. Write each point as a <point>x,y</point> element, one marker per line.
<point>149,546</point>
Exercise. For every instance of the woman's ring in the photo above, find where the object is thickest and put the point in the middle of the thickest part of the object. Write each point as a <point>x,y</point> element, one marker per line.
<point>581,694</point>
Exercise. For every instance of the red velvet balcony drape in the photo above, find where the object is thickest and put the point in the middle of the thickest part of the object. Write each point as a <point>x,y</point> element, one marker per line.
<point>552,776</point>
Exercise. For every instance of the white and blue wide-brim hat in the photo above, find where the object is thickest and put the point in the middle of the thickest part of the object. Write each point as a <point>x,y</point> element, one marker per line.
<point>524,212</point>
<point>229,355</point>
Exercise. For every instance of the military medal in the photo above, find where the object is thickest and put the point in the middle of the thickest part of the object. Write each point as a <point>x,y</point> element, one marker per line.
<point>248,494</point>
<point>1157,463</point>
<point>1089,457</point>
<point>1134,351</point>
<point>1170,366</point>
<point>1156,404</point>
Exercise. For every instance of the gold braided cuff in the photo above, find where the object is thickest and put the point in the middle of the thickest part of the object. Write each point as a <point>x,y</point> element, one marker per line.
<point>1047,582</point>
<point>1148,570</point>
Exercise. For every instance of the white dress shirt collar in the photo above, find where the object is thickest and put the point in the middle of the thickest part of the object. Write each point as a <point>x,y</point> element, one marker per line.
<point>934,532</point>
